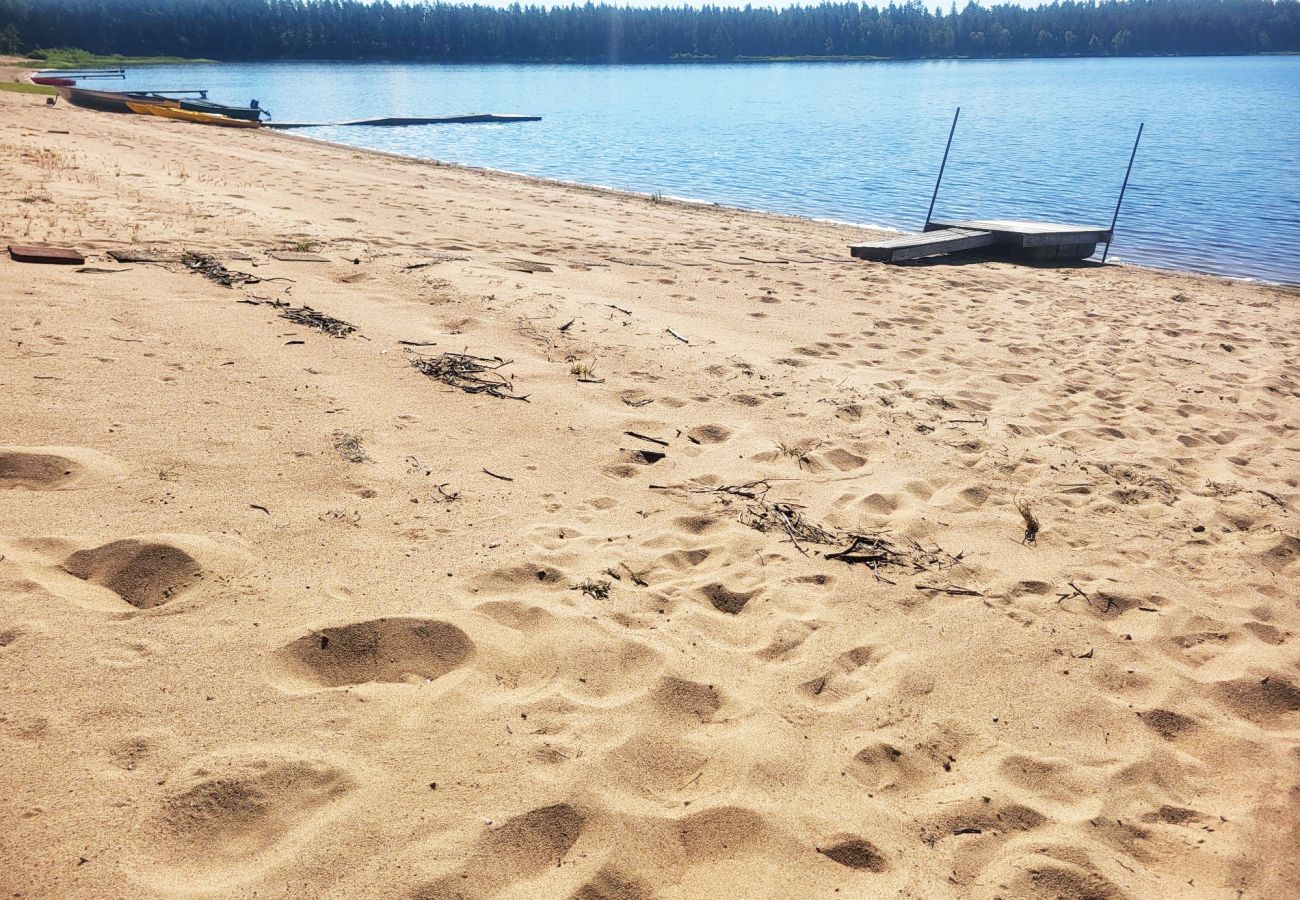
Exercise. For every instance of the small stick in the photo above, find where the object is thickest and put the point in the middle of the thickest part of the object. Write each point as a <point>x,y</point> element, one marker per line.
<point>636,579</point>
<point>495,475</point>
<point>676,335</point>
<point>951,589</point>
<point>626,312</point>
<point>646,438</point>
<point>565,326</point>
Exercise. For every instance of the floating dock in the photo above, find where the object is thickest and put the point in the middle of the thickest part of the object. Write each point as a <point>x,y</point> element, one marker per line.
<point>1033,241</point>
<point>400,121</point>
<point>1013,238</point>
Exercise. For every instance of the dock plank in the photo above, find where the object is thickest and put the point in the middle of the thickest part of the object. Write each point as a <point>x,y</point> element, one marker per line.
<point>1019,233</point>
<point>917,246</point>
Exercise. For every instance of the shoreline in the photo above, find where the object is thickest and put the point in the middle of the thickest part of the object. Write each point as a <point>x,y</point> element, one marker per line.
<point>389,528</point>
<point>868,230</point>
<point>872,228</point>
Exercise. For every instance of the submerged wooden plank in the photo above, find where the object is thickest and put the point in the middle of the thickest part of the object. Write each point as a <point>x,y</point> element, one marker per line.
<point>59,256</point>
<point>929,243</point>
<point>399,121</point>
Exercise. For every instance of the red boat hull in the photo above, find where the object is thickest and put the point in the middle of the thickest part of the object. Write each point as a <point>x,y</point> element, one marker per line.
<point>58,82</point>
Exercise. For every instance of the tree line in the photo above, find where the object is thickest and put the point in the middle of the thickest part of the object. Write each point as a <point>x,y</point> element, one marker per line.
<point>443,32</point>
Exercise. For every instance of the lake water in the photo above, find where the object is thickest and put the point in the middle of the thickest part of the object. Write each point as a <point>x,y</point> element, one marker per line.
<point>1216,186</point>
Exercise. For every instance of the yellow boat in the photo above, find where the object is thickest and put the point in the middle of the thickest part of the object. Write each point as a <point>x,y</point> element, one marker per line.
<point>186,115</point>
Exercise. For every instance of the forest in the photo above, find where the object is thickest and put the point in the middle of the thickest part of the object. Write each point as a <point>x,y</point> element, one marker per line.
<point>442,32</point>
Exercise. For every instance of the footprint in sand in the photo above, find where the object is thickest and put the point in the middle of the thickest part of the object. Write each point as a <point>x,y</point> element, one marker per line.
<point>726,832</point>
<point>1167,723</point>
<point>523,847</point>
<point>519,578</point>
<point>1268,700</point>
<point>51,468</point>
<point>696,524</point>
<point>652,765</point>
<point>988,820</point>
<point>725,599</point>
<point>610,885</point>
<point>36,471</point>
<point>856,853</point>
<point>145,574</point>
<point>1043,877</point>
<point>709,434</point>
<point>381,650</point>
<point>847,676</point>
<point>686,701</point>
<point>225,816</point>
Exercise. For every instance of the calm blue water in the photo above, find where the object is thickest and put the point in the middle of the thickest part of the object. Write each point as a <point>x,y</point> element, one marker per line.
<point>1216,186</point>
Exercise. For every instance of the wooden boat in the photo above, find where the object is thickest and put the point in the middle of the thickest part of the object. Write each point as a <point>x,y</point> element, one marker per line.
<point>250,113</point>
<point>112,101</point>
<point>52,80</point>
<point>185,115</point>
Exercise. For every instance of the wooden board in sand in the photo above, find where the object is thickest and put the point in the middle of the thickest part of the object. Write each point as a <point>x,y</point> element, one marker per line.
<point>295,256</point>
<point>59,256</point>
<point>140,256</point>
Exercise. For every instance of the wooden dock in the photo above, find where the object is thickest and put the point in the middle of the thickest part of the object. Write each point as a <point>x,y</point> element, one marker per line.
<point>400,121</point>
<point>1032,241</point>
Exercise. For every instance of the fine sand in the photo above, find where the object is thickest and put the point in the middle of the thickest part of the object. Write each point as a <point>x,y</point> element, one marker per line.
<point>281,615</point>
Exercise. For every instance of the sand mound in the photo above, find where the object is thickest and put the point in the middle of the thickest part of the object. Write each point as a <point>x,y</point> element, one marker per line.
<point>383,650</point>
<point>143,574</point>
<point>36,471</point>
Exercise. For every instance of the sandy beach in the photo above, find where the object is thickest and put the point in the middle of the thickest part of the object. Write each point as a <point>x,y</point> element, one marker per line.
<point>720,565</point>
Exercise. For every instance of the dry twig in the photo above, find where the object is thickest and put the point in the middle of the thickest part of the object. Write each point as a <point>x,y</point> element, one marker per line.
<point>305,315</point>
<point>471,374</point>
<point>208,266</point>
<point>349,446</point>
<point>1031,521</point>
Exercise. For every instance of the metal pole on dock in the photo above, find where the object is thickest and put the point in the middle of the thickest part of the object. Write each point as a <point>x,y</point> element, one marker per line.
<point>1122,189</point>
<point>942,165</point>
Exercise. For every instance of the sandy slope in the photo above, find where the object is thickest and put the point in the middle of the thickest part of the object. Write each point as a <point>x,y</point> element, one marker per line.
<point>268,627</point>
